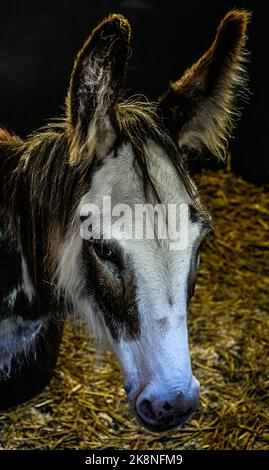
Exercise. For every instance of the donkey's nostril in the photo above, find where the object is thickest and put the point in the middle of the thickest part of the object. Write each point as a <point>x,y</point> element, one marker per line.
<point>167,406</point>
<point>145,410</point>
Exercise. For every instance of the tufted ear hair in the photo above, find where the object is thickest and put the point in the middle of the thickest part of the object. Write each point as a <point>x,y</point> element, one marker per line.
<point>198,109</point>
<point>96,83</point>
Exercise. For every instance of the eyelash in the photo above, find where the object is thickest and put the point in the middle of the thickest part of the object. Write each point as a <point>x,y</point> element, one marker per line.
<point>101,249</point>
<point>104,252</point>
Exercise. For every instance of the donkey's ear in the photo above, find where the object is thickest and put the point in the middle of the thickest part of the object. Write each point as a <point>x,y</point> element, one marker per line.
<point>97,82</point>
<point>198,109</point>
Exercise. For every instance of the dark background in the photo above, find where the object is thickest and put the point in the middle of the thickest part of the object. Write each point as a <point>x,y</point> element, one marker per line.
<point>39,39</point>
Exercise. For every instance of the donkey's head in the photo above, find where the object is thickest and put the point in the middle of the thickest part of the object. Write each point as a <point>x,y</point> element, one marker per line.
<point>133,289</point>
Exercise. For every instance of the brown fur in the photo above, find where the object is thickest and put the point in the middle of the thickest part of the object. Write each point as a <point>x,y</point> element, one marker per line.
<point>198,108</point>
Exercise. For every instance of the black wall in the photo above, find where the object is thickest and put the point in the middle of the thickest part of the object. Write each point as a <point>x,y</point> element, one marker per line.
<point>38,42</point>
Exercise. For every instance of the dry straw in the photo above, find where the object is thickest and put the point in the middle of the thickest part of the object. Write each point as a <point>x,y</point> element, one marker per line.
<point>85,405</point>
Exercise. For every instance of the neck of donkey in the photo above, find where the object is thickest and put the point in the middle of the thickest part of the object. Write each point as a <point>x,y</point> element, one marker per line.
<point>36,202</point>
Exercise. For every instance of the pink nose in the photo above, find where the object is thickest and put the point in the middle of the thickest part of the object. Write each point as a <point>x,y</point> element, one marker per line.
<point>160,414</point>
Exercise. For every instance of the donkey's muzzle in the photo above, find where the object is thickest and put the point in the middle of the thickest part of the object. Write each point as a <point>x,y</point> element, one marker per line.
<point>161,414</point>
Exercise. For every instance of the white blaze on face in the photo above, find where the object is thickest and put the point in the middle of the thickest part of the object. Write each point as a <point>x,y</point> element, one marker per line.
<point>160,354</point>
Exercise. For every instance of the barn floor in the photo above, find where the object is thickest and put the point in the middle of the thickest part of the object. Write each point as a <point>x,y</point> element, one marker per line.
<point>85,405</point>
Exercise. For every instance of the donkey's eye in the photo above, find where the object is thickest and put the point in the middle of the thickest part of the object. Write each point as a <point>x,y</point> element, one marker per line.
<point>103,251</point>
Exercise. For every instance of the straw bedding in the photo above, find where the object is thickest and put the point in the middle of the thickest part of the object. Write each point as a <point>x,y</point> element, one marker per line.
<point>85,405</point>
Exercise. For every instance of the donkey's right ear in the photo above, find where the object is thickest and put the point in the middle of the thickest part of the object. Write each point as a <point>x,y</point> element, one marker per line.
<point>96,83</point>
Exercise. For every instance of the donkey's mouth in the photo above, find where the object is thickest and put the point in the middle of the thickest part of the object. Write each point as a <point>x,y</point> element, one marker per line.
<point>165,423</point>
<point>161,412</point>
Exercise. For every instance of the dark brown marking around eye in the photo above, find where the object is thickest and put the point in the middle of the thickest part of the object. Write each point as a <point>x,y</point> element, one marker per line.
<point>115,293</point>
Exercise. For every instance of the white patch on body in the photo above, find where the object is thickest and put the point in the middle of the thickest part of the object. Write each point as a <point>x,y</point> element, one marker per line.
<point>17,336</point>
<point>11,298</point>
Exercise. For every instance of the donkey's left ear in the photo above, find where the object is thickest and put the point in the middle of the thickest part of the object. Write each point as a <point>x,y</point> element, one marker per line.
<point>198,109</point>
<point>96,83</point>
